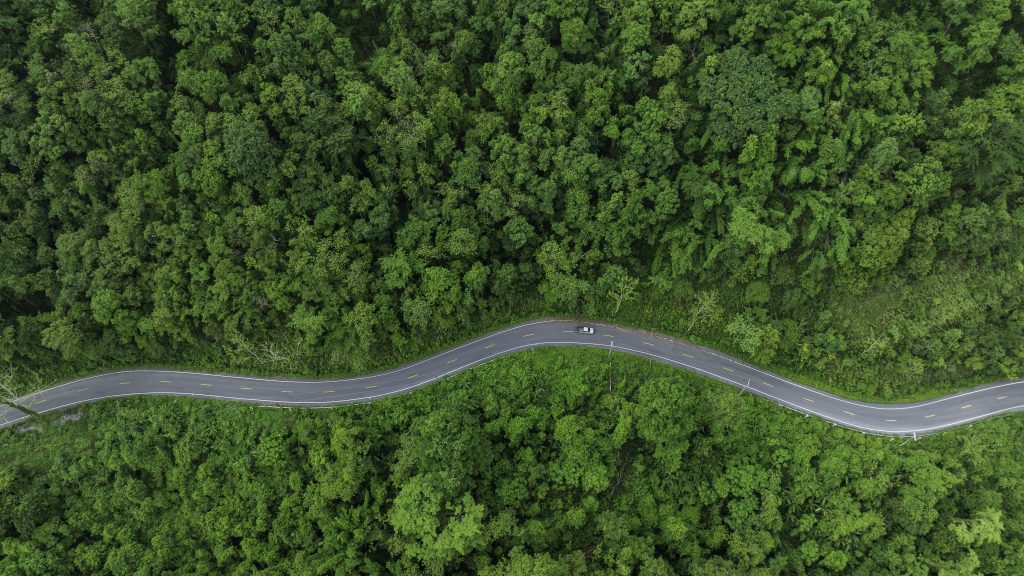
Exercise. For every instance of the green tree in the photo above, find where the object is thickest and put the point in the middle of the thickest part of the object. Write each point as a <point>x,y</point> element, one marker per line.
<point>758,340</point>
<point>618,285</point>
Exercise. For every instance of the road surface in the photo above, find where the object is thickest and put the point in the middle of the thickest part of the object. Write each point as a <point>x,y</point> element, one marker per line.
<point>910,419</point>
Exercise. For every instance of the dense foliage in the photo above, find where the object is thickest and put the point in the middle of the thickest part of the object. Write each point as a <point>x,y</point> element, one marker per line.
<point>554,462</point>
<point>315,180</point>
<point>833,187</point>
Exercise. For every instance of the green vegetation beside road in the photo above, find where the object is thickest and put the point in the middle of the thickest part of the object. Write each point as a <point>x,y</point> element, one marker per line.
<point>321,189</point>
<point>834,190</point>
<point>558,462</point>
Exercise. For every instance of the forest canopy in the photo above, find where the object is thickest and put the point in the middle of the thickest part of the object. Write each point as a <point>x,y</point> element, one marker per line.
<point>832,189</point>
<point>521,467</point>
<point>180,178</point>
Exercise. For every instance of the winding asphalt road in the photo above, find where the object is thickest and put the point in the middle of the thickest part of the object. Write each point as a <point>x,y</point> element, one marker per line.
<point>911,419</point>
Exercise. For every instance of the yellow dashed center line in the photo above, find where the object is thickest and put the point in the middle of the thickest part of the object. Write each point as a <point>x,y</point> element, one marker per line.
<point>453,360</point>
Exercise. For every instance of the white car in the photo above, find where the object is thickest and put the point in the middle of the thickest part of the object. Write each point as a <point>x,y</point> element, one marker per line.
<point>584,330</point>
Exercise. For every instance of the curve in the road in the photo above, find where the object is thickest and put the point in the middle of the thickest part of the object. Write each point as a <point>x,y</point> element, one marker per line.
<point>909,419</point>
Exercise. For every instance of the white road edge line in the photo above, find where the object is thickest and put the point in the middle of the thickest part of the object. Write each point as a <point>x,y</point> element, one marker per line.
<point>781,401</point>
